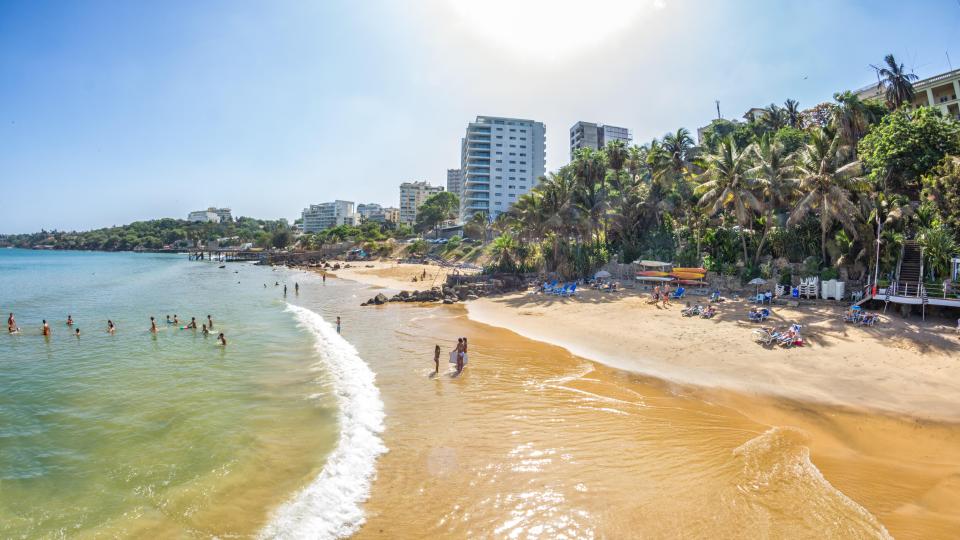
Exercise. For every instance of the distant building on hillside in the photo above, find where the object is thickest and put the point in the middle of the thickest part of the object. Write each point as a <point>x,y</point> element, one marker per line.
<point>501,159</point>
<point>455,181</point>
<point>754,114</point>
<point>412,195</point>
<point>323,216</point>
<point>596,136</point>
<point>377,213</point>
<point>939,91</point>
<point>204,216</point>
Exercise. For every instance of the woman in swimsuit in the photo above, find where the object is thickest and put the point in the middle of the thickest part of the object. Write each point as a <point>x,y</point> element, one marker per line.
<point>11,324</point>
<point>153,325</point>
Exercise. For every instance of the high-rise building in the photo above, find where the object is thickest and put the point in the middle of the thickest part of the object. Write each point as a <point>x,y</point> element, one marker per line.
<point>501,159</point>
<point>455,181</point>
<point>412,195</point>
<point>319,217</point>
<point>596,136</point>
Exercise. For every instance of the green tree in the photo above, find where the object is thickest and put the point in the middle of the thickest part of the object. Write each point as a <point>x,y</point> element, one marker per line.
<point>791,110</point>
<point>906,146</point>
<point>939,245</point>
<point>942,188</point>
<point>827,184</point>
<point>435,210</point>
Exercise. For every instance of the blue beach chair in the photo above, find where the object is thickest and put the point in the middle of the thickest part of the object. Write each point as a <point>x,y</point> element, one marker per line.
<point>678,294</point>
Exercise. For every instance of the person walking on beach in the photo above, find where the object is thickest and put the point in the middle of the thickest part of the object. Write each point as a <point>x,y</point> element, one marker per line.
<point>338,325</point>
<point>463,356</point>
<point>455,359</point>
<point>69,320</point>
<point>436,359</point>
<point>110,327</point>
<point>46,328</point>
<point>209,322</point>
<point>666,295</point>
<point>222,339</point>
<point>153,325</point>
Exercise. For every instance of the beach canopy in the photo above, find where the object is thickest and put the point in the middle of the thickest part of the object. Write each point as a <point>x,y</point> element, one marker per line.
<point>757,281</point>
<point>653,263</point>
<point>602,274</point>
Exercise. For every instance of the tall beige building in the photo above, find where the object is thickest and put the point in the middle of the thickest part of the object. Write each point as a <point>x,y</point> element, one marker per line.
<point>412,195</point>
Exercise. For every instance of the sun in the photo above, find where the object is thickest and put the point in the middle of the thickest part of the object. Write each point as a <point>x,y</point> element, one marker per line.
<point>548,29</point>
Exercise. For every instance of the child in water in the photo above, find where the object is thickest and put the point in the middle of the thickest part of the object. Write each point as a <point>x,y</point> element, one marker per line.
<point>77,333</point>
<point>222,339</point>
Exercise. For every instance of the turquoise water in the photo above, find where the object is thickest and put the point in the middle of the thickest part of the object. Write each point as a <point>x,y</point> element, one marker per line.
<point>154,435</point>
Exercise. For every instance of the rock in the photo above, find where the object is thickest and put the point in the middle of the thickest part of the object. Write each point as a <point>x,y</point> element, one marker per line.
<point>448,300</point>
<point>404,294</point>
<point>380,299</point>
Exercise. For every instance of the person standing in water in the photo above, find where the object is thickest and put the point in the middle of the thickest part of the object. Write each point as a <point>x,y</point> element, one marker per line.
<point>69,320</point>
<point>46,328</point>
<point>462,360</point>
<point>193,324</point>
<point>11,324</point>
<point>76,332</point>
<point>176,320</point>
<point>209,322</point>
<point>153,325</point>
<point>436,359</point>
<point>296,287</point>
<point>338,325</point>
<point>324,278</point>
<point>222,339</point>
<point>205,331</point>
<point>110,327</point>
<point>284,289</point>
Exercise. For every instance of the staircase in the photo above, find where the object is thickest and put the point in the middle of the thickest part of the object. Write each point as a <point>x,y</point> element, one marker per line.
<point>910,273</point>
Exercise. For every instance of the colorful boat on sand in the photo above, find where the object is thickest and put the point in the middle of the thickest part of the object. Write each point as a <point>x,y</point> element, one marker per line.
<point>687,275</point>
<point>690,270</point>
<point>653,273</point>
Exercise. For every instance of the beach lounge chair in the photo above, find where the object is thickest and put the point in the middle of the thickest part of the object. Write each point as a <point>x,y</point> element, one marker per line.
<point>715,297</point>
<point>570,291</point>
<point>678,294</point>
<point>691,311</point>
<point>548,288</point>
<point>868,319</point>
<point>558,291</point>
<point>759,315</point>
<point>765,336</point>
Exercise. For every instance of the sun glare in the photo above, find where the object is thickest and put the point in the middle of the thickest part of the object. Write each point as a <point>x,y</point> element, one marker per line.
<point>548,29</point>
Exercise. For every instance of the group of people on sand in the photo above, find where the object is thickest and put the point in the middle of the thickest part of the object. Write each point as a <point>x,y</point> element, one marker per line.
<point>661,294</point>
<point>458,355</point>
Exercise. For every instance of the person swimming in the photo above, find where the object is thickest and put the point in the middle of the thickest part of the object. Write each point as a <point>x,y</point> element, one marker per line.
<point>153,325</point>
<point>204,330</point>
<point>69,320</point>
<point>76,332</point>
<point>209,322</point>
<point>222,339</point>
<point>46,328</point>
<point>110,327</point>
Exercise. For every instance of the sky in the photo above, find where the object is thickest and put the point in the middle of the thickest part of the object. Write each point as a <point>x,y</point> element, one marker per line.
<point>112,112</point>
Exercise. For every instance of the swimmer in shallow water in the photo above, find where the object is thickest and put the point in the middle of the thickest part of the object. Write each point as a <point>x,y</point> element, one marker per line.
<point>77,333</point>
<point>205,331</point>
<point>153,325</point>
<point>222,339</point>
<point>111,328</point>
<point>192,325</point>
<point>69,320</point>
<point>210,322</point>
<point>168,320</point>
<point>175,319</point>
<point>46,328</point>
<point>12,324</point>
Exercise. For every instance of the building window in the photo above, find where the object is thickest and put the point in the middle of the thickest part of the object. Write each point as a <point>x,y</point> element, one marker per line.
<point>522,162</point>
<point>498,194</point>
<point>513,170</point>
<point>499,169</point>
<point>513,195</point>
<point>499,136</point>
<point>512,138</point>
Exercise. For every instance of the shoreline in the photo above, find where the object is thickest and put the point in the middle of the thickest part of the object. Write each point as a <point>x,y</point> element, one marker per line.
<point>900,367</point>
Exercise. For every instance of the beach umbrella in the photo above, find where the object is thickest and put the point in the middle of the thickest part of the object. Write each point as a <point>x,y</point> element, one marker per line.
<point>602,274</point>
<point>758,282</point>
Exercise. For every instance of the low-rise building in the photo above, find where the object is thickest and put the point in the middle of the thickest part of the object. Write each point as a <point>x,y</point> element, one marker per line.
<point>939,91</point>
<point>319,217</point>
<point>204,216</point>
<point>412,196</point>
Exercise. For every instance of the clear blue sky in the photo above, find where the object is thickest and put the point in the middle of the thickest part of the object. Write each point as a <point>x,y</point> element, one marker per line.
<point>117,111</point>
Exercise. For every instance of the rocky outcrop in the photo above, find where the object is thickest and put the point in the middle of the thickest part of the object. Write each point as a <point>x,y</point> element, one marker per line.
<point>456,292</point>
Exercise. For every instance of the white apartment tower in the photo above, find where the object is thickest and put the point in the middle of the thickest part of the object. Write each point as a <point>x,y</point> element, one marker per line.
<point>501,159</point>
<point>596,136</point>
<point>319,217</point>
<point>412,195</point>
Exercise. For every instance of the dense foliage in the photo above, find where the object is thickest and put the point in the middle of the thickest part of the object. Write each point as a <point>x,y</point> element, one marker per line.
<point>790,189</point>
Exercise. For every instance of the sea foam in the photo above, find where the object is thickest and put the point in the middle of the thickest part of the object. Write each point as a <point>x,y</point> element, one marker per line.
<point>330,506</point>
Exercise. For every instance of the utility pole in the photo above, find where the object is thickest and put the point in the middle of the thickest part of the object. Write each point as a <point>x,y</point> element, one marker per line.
<point>719,116</point>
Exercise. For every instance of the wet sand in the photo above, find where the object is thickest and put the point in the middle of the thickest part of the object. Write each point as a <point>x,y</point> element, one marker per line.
<point>532,441</point>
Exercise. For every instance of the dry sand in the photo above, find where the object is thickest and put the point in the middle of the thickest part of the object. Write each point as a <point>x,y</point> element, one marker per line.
<point>396,276</point>
<point>899,366</point>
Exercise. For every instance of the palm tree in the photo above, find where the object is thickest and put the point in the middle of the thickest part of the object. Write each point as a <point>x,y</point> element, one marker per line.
<point>897,84</point>
<point>851,118</point>
<point>827,182</point>
<point>791,109</point>
<point>730,187</point>
<point>590,170</point>
<point>774,173</point>
<point>773,118</point>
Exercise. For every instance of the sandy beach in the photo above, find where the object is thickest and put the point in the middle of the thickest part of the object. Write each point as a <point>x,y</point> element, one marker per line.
<point>900,366</point>
<point>396,276</point>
